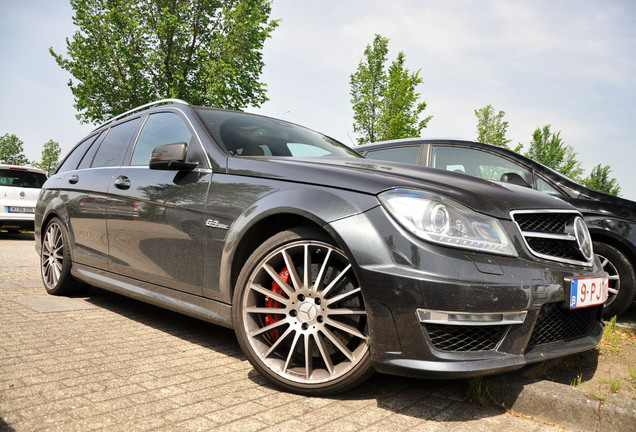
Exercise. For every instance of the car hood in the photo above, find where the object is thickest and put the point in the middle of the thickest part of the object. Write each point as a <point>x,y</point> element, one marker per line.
<point>593,202</point>
<point>372,177</point>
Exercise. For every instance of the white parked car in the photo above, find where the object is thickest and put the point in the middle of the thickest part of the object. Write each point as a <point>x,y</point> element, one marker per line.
<point>19,190</point>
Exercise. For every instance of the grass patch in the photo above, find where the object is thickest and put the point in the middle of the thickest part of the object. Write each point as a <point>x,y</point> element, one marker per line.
<point>475,391</point>
<point>632,372</point>
<point>577,382</point>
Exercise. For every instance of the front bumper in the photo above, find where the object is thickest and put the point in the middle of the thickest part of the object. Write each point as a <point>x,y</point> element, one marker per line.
<point>402,276</point>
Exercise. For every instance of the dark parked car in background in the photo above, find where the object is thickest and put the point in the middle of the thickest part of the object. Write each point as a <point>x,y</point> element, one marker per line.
<point>611,220</point>
<point>327,266</point>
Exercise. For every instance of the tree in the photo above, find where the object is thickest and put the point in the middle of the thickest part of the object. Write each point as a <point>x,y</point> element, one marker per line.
<point>368,85</point>
<point>127,53</point>
<point>600,180</point>
<point>50,156</point>
<point>385,103</point>
<point>549,149</point>
<point>491,129</point>
<point>12,150</point>
<point>400,115</point>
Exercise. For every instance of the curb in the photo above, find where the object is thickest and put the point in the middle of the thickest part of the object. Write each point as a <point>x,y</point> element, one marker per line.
<point>562,404</point>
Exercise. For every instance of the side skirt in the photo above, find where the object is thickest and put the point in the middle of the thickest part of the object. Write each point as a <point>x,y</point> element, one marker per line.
<point>176,301</point>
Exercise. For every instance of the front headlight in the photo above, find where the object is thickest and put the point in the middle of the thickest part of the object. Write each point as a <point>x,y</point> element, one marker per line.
<point>440,220</point>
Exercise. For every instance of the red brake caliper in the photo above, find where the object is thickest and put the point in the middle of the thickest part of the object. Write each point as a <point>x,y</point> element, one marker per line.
<point>271,303</point>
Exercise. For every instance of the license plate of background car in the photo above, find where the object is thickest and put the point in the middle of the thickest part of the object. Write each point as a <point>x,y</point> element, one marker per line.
<point>588,291</point>
<point>21,210</point>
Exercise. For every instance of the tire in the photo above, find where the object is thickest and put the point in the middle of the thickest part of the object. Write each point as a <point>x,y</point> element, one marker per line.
<point>55,261</point>
<point>622,284</point>
<point>306,332</point>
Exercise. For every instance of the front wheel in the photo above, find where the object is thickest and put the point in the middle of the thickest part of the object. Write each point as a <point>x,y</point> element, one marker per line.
<point>300,317</point>
<point>622,283</point>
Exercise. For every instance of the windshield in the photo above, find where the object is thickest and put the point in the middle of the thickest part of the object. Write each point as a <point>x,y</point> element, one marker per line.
<point>21,178</point>
<point>244,134</point>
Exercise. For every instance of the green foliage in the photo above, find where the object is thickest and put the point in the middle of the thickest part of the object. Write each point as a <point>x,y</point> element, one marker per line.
<point>549,149</point>
<point>385,103</point>
<point>127,53</point>
<point>400,108</point>
<point>12,151</point>
<point>368,85</point>
<point>50,156</point>
<point>632,372</point>
<point>474,391</point>
<point>491,129</point>
<point>615,385</point>
<point>600,180</point>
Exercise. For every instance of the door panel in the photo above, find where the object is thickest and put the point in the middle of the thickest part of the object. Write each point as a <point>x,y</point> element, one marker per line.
<point>85,192</point>
<point>155,224</point>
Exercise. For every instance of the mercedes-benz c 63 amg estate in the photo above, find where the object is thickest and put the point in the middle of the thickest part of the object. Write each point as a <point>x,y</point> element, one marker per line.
<point>327,266</point>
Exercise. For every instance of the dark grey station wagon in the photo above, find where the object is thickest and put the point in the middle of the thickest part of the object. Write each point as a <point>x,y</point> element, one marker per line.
<point>327,266</point>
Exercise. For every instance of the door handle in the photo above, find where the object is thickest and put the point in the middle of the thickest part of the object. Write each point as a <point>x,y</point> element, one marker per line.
<point>122,182</point>
<point>73,179</point>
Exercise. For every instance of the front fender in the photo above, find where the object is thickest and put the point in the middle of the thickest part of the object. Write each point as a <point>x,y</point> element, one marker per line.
<point>620,232</point>
<point>314,204</point>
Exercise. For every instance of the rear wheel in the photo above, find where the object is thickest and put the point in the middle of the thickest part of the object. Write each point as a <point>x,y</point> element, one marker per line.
<point>55,261</point>
<point>622,283</point>
<point>300,316</point>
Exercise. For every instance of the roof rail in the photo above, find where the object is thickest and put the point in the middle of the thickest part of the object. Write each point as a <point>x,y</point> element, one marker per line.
<point>139,108</point>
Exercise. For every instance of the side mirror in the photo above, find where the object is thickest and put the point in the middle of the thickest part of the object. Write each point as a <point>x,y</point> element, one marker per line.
<point>171,157</point>
<point>515,179</point>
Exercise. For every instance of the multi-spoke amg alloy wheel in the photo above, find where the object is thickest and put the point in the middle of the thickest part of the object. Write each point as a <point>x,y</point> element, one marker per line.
<point>300,315</point>
<point>622,281</point>
<point>55,261</point>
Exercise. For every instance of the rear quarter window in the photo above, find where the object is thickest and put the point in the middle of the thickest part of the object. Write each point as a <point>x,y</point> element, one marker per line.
<point>75,156</point>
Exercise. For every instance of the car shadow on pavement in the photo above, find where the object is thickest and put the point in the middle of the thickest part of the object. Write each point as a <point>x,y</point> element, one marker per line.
<point>439,400</point>
<point>4,427</point>
<point>204,334</point>
<point>25,235</point>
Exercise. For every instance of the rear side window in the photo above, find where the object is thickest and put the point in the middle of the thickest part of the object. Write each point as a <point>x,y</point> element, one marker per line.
<point>409,154</point>
<point>112,150</point>
<point>20,178</point>
<point>73,159</point>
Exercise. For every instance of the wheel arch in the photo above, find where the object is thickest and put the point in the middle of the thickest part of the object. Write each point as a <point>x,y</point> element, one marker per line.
<point>267,227</point>
<point>607,237</point>
<point>54,209</point>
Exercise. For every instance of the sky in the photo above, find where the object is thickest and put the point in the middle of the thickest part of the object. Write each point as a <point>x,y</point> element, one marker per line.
<point>570,64</point>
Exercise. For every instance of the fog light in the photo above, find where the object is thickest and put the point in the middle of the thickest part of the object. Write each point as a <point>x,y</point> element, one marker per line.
<point>430,316</point>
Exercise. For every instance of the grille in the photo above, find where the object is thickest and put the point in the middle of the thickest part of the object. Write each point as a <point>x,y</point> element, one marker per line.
<point>544,222</point>
<point>465,338</point>
<point>557,248</point>
<point>550,235</point>
<point>558,325</point>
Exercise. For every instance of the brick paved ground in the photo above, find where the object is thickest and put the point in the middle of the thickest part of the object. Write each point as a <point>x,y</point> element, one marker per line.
<point>105,362</point>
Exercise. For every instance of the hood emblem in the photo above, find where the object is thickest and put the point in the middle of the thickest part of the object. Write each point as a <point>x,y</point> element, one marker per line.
<point>22,194</point>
